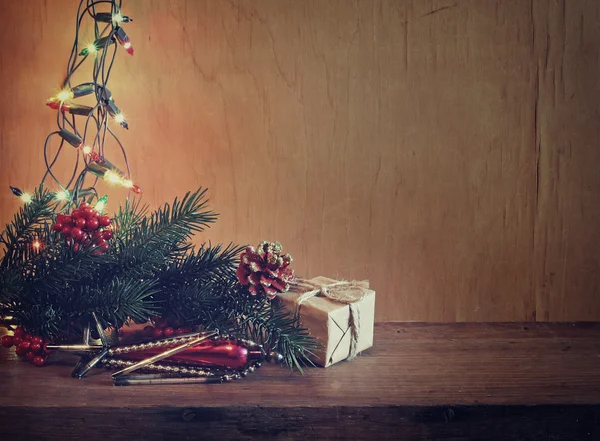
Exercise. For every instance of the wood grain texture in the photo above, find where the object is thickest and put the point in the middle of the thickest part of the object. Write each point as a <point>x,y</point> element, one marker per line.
<point>445,150</point>
<point>419,382</point>
<point>411,364</point>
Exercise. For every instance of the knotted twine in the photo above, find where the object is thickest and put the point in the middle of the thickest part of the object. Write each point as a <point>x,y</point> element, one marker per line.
<point>345,292</point>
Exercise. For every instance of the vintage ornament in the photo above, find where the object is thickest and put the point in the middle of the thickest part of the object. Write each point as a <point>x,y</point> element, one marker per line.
<point>201,357</point>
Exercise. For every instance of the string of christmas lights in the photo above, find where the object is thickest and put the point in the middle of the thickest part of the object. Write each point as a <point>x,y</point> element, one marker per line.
<point>88,128</point>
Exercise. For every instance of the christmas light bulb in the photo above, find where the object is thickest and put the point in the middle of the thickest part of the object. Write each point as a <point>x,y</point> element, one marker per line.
<point>36,245</point>
<point>63,95</point>
<point>99,207</point>
<point>112,177</point>
<point>128,183</point>
<point>120,118</point>
<point>114,111</point>
<point>73,109</point>
<point>83,89</point>
<point>62,195</point>
<point>26,198</point>
<point>86,150</point>
<point>136,189</point>
<point>116,18</point>
<point>71,138</point>
<point>90,49</point>
<point>123,39</point>
<point>16,191</point>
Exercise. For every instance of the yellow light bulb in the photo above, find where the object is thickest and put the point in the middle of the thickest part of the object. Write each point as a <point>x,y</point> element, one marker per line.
<point>127,45</point>
<point>26,197</point>
<point>64,95</point>
<point>36,244</point>
<point>62,195</point>
<point>128,183</point>
<point>91,49</point>
<point>120,118</point>
<point>86,150</point>
<point>112,177</point>
<point>117,18</point>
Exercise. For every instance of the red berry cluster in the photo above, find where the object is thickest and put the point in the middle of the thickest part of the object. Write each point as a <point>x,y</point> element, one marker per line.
<point>85,226</point>
<point>29,347</point>
<point>165,327</point>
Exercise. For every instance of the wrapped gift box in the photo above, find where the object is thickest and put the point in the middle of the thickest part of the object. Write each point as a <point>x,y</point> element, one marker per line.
<point>329,321</point>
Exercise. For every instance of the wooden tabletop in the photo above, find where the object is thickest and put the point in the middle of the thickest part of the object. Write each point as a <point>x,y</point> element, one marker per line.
<point>412,365</point>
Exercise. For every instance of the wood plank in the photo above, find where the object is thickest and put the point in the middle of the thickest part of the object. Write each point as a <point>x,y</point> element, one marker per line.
<point>568,182</point>
<point>410,364</point>
<point>444,150</point>
<point>420,382</point>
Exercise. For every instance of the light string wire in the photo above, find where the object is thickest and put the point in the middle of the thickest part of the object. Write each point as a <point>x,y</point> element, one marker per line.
<point>98,117</point>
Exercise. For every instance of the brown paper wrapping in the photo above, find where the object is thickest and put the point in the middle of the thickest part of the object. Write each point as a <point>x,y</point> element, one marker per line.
<point>328,322</point>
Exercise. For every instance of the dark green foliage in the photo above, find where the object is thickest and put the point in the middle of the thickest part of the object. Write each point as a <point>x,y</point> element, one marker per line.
<point>151,269</point>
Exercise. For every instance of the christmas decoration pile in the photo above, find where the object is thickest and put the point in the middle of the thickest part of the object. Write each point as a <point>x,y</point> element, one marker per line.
<point>66,266</point>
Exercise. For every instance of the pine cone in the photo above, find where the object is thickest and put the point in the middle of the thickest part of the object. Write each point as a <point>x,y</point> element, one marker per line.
<point>265,271</point>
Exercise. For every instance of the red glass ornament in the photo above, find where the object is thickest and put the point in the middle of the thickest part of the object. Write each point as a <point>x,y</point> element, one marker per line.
<point>104,221</point>
<point>224,354</point>
<point>7,341</point>
<point>149,330</point>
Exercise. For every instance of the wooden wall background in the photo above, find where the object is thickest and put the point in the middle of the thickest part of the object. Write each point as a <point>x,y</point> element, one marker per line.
<point>446,150</point>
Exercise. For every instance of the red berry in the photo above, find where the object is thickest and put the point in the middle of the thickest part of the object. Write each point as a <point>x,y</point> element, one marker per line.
<point>66,231</point>
<point>179,331</point>
<point>157,333</point>
<point>91,224</point>
<point>57,226</point>
<point>80,223</point>
<point>68,220</point>
<point>99,242</point>
<point>149,330</point>
<point>76,234</point>
<point>27,337</point>
<point>168,332</point>
<point>7,341</point>
<point>17,339</point>
<point>75,214</point>
<point>87,212</point>
<point>25,345</point>
<point>40,360</point>
<point>83,205</point>
<point>36,348</point>
<point>19,332</point>
<point>37,339</point>
<point>104,221</point>
<point>29,356</point>
<point>21,351</point>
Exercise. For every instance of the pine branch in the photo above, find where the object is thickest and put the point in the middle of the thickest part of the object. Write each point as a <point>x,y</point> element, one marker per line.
<point>26,225</point>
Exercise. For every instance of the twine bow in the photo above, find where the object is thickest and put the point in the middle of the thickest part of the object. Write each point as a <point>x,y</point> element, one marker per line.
<point>345,292</point>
